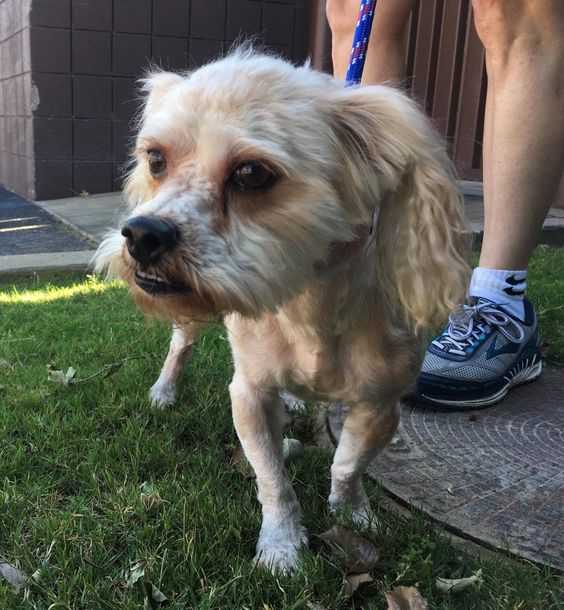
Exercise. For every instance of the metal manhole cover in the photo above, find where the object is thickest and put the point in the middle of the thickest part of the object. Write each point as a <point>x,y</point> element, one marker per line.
<point>496,475</point>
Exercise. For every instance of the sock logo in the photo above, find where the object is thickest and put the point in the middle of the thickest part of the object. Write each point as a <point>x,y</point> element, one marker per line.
<point>513,281</point>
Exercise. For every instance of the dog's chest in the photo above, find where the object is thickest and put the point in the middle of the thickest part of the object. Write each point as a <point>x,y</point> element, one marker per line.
<point>315,369</point>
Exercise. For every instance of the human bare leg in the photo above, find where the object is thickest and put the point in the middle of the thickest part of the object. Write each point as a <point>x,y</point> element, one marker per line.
<point>494,343</point>
<point>385,59</point>
<point>524,141</point>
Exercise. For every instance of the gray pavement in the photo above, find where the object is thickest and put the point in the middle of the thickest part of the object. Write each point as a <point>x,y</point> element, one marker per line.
<point>77,224</point>
<point>26,228</point>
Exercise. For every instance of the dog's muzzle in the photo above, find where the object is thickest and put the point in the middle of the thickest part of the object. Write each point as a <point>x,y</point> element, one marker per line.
<point>148,239</point>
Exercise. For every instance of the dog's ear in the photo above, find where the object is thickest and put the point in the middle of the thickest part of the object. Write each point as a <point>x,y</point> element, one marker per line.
<point>155,85</point>
<point>395,157</point>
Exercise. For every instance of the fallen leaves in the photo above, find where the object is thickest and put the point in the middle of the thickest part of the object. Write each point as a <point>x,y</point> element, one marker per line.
<point>150,496</point>
<point>12,574</point>
<point>356,554</point>
<point>59,376</point>
<point>456,585</point>
<point>152,596</point>
<point>405,598</point>
<point>291,449</point>
<point>353,552</point>
<point>353,582</point>
<point>68,378</point>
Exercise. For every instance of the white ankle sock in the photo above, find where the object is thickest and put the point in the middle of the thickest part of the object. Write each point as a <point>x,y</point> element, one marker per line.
<point>502,286</point>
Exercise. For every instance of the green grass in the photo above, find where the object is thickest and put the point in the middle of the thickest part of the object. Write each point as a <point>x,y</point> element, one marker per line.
<point>93,479</point>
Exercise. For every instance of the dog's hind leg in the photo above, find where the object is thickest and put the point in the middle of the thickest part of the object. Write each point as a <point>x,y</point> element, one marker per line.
<point>163,392</point>
<point>367,429</point>
<point>259,419</point>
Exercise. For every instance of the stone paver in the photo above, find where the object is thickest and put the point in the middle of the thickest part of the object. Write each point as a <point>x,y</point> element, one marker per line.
<point>17,266</point>
<point>93,215</point>
<point>495,475</point>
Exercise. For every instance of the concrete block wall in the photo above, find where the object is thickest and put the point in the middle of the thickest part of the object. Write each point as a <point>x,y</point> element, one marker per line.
<point>84,57</point>
<point>16,128</point>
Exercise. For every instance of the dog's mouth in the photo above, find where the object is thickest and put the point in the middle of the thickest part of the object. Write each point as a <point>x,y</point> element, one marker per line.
<point>156,285</point>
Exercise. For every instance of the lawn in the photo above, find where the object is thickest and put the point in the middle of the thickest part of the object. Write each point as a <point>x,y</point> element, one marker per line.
<point>94,483</point>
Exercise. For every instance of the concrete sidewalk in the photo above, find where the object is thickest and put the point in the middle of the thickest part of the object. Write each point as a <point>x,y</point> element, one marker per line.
<point>91,216</point>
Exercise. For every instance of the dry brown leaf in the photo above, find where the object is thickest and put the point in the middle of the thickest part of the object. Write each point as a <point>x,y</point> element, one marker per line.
<point>240,462</point>
<point>354,552</point>
<point>405,598</point>
<point>353,581</point>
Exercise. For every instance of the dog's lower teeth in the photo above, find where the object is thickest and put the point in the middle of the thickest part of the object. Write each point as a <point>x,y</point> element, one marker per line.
<point>147,276</point>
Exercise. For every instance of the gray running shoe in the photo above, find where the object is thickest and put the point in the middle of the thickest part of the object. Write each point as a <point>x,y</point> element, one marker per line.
<point>479,357</point>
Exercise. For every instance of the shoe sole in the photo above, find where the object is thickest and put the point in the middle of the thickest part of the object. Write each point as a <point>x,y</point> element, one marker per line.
<point>526,375</point>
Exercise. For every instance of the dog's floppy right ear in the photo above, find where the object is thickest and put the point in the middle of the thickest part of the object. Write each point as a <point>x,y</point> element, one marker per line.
<point>393,156</point>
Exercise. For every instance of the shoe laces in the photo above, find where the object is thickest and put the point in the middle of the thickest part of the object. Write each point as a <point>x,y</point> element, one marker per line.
<point>471,324</point>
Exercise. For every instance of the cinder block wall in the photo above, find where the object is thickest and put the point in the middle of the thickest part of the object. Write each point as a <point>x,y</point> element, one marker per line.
<point>84,58</point>
<point>16,129</point>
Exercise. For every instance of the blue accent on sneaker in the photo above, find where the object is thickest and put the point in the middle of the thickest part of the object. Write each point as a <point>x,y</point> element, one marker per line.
<point>479,356</point>
<point>508,348</point>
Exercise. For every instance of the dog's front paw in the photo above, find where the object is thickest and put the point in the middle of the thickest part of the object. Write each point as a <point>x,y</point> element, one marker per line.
<point>361,513</point>
<point>278,549</point>
<point>162,394</point>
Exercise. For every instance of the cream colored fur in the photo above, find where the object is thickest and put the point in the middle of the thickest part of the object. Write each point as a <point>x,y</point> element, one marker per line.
<point>327,279</point>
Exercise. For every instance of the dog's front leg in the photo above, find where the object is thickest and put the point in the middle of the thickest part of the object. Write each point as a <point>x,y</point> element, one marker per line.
<point>367,429</point>
<point>259,418</point>
<point>163,392</point>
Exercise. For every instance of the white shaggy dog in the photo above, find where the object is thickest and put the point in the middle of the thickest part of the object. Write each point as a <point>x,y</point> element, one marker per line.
<point>324,223</point>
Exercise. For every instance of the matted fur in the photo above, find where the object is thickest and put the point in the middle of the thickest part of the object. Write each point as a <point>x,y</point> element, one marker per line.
<point>327,278</point>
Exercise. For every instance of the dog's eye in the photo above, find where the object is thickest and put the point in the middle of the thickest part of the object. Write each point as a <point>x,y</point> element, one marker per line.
<point>251,176</point>
<point>157,163</point>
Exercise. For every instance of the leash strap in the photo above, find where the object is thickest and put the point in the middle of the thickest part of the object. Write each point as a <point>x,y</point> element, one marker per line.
<point>360,42</point>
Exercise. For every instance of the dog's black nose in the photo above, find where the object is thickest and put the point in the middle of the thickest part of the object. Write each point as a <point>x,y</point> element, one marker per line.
<point>148,238</point>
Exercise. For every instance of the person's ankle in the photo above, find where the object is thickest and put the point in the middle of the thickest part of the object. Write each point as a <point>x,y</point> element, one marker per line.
<point>505,287</point>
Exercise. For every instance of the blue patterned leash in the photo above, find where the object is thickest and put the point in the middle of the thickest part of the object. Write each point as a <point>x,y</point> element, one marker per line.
<point>360,42</point>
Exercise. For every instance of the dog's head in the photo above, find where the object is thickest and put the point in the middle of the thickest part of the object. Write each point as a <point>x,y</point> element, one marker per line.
<point>247,173</point>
